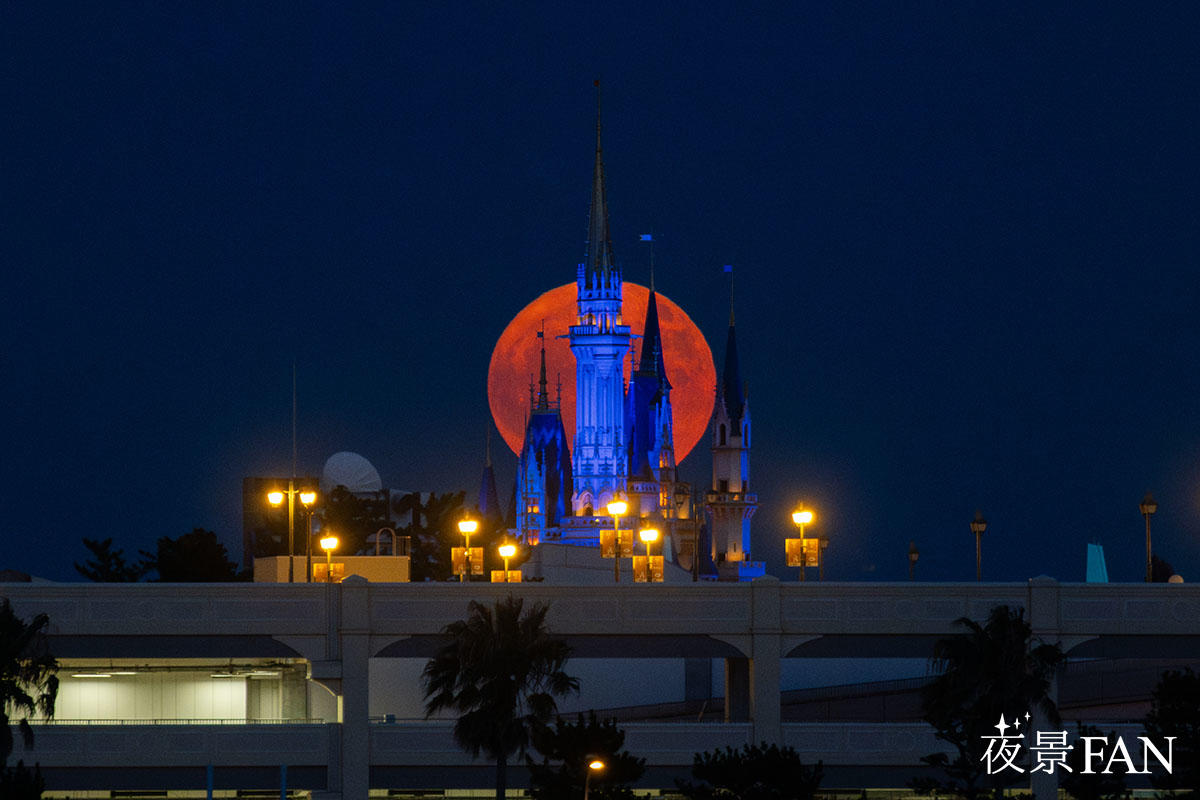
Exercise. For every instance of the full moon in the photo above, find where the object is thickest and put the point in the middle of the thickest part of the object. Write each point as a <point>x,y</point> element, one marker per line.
<point>515,364</point>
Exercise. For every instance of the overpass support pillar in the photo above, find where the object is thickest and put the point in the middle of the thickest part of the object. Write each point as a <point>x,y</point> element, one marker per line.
<point>354,650</point>
<point>766,645</point>
<point>737,689</point>
<point>1045,624</point>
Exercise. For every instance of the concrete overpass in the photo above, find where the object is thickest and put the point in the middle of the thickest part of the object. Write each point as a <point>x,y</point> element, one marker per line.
<point>339,628</point>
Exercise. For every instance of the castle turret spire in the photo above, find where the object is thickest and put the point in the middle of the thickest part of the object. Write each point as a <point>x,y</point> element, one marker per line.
<point>543,398</point>
<point>730,504</point>
<point>599,260</point>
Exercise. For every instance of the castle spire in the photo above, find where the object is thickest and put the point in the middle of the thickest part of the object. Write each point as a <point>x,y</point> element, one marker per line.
<point>599,259</point>
<point>543,397</point>
<point>731,378</point>
<point>489,499</point>
<point>651,359</point>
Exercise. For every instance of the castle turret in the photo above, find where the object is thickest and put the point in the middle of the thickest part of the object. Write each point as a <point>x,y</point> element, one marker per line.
<point>544,471</point>
<point>729,503</point>
<point>599,342</point>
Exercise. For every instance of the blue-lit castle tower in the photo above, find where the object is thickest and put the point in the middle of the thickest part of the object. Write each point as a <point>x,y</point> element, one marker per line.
<point>624,435</point>
<point>730,504</point>
<point>599,342</point>
<point>543,490</point>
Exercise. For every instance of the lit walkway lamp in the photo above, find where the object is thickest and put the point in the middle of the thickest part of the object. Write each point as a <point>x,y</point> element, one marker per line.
<point>913,555</point>
<point>329,544</point>
<point>307,499</point>
<point>276,498</point>
<point>507,551</point>
<point>1148,506</point>
<point>466,527</point>
<point>617,509</point>
<point>795,548</point>
<point>594,765</point>
<point>649,536</point>
<point>978,526</point>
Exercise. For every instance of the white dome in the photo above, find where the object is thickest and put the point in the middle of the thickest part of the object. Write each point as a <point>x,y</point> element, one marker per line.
<point>352,471</point>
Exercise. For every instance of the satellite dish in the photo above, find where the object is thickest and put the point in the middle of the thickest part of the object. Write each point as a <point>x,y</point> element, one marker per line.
<point>352,471</point>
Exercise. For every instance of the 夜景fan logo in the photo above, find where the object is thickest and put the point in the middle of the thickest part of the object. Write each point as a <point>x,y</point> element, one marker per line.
<point>1049,751</point>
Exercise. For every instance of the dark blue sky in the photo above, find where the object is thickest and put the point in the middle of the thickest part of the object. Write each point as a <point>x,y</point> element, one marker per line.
<point>966,239</point>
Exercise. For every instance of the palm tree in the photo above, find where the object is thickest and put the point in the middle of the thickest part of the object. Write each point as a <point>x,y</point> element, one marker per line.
<point>28,684</point>
<point>500,671</point>
<point>988,670</point>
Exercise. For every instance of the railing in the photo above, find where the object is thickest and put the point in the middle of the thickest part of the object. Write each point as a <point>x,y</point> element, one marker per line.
<point>175,721</point>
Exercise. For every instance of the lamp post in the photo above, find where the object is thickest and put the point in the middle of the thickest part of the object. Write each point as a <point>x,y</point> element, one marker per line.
<point>617,508</point>
<point>649,536</point>
<point>466,527</point>
<point>801,518</point>
<point>913,555</point>
<point>507,551</point>
<point>978,526</point>
<point>276,498</point>
<point>307,499</point>
<point>594,765</point>
<point>1148,506</point>
<point>329,544</point>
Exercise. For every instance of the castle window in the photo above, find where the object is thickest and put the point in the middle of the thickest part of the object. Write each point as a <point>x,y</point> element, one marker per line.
<point>587,510</point>
<point>722,433</point>
<point>723,486</point>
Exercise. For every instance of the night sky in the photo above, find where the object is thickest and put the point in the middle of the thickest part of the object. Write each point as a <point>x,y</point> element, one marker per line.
<point>965,239</point>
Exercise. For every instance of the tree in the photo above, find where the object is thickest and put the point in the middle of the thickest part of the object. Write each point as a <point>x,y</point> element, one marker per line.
<point>19,783</point>
<point>755,772</point>
<point>570,746</point>
<point>1096,785</point>
<point>988,670</point>
<point>1160,570</point>
<point>500,672</point>
<point>1175,711</point>
<point>108,565</point>
<point>195,557</point>
<point>28,684</point>
<point>352,518</point>
<point>432,539</point>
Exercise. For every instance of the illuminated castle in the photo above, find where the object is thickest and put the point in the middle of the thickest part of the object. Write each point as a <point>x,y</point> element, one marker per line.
<point>624,434</point>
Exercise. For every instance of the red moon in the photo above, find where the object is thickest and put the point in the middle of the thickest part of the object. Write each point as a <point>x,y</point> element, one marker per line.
<point>515,361</point>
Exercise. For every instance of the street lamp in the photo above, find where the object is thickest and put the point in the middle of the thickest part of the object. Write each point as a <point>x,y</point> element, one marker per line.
<point>275,498</point>
<point>1148,506</point>
<point>595,764</point>
<point>913,555</point>
<point>978,526</point>
<point>649,536</point>
<point>801,518</point>
<point>507,551</point>
<point>466,527</point>
<point>616,509</point>
<point>307,499</point>
<point>329,544</point>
